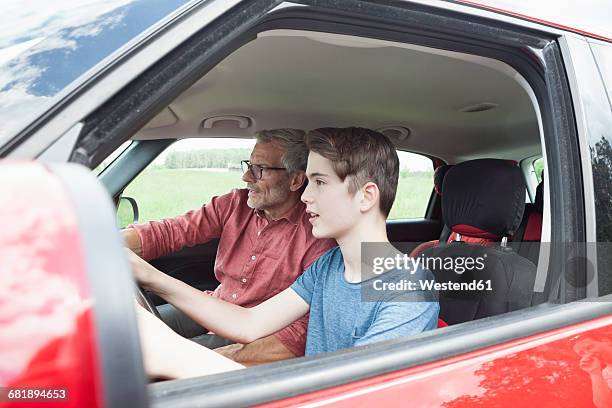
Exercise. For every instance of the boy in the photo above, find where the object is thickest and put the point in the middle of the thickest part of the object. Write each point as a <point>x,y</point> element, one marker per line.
<point>353,175</point>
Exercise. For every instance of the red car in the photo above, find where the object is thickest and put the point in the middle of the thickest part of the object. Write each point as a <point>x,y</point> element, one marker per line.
<point>115,86</point>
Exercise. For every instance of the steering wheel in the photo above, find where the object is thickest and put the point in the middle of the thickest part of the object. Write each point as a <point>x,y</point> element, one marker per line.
<point>144,299</point>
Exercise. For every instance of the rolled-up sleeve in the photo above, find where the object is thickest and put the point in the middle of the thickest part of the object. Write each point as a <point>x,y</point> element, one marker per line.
<point>162,237</point>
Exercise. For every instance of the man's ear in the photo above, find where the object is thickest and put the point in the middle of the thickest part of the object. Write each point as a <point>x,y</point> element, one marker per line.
<point>370,196</point>
<point>298,178</point>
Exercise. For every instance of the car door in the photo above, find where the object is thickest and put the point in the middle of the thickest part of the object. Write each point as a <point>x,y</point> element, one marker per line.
<point>407,370</point>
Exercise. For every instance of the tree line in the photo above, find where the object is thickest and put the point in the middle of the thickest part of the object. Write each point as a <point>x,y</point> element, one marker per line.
<point>211,158</point>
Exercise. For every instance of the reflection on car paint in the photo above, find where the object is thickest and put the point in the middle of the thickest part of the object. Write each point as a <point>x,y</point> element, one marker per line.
<point>47,49</point>
<point>47,337</point>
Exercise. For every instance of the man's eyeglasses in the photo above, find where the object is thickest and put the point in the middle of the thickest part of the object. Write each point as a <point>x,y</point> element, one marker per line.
<point>256,169</point>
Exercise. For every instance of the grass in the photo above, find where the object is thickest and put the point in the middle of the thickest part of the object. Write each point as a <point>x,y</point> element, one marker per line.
<point>162,193</point>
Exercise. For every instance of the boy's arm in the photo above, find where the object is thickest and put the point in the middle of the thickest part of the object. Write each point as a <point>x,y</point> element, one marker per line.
<point>399,319</point>
<point>236,323</point>
<point>168,355</point>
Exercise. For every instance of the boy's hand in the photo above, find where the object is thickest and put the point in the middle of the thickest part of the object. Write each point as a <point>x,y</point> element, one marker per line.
<point>143,271</point>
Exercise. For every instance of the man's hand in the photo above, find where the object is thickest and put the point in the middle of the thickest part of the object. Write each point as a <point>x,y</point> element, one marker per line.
<point>262,351</point>
<point>132,240</point>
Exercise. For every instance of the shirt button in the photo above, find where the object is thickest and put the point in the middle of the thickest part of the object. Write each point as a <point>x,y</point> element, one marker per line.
<point>253,257</point>
<point>258,232</point>
<point>233,296</point>
<point>243,280</point>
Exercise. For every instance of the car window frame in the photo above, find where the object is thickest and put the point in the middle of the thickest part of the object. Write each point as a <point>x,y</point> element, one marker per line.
<point>553,58</point>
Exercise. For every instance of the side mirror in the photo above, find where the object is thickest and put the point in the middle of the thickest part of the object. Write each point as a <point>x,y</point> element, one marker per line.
<point>127,212</point>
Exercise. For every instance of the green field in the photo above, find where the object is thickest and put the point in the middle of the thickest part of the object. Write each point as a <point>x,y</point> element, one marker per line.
<point>162,193</point>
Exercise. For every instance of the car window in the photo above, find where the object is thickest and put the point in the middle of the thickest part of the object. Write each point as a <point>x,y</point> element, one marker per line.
<point>603,56</point>
<point>46,46</point>
<point>538,168</point>
<point>414,186</point>
<point>190,172</point>
<point>187,175</point>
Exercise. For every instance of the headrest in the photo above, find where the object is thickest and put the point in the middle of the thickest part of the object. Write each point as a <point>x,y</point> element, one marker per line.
<point>539,197</point>
<point>483,198</point>
<point>439,175</point>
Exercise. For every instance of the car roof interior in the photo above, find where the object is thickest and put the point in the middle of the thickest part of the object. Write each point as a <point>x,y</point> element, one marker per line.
<point>441,103</point>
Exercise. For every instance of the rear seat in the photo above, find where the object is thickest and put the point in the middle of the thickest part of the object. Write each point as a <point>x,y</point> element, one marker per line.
<point>483,204</point>
<point>530,230</point>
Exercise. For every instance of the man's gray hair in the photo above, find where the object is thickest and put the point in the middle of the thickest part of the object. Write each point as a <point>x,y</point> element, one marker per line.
<point>292,141</point>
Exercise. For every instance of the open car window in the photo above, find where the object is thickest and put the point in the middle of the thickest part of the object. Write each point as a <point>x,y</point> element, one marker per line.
<point>187,175</point>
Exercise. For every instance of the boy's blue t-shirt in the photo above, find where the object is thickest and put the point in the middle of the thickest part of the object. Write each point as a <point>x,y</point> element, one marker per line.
<point>339,318</point>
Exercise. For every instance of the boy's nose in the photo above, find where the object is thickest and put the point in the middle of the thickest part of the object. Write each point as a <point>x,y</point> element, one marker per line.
<point>306,195</point>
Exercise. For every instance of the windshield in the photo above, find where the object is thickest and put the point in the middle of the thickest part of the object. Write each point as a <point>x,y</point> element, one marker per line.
<point>47,45</point>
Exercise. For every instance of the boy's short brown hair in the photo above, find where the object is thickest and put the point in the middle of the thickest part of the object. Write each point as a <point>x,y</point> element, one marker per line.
<point>362,155</point>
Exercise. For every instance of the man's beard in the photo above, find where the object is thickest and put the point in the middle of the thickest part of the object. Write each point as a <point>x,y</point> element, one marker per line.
<point>274,197</point>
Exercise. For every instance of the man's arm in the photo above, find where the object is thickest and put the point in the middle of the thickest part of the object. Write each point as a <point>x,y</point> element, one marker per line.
<point>240,324</point>
<point>132,240</point>
<point>153,239</point>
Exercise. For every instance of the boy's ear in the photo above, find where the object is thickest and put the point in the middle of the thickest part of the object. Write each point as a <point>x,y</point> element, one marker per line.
<point>298,178</point>
<point>370,196</point>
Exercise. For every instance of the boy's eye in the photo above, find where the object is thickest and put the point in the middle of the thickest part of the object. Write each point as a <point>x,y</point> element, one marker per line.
<point>319,182</point>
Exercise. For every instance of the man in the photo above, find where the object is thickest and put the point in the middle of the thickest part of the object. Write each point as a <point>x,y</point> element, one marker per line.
<point>265,243</point>
<point>353,176</point>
